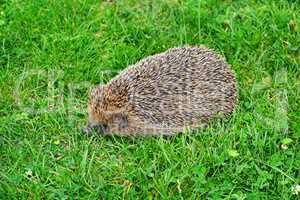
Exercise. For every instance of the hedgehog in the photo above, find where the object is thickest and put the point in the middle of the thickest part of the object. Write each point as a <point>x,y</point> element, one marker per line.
<point>180,89</point>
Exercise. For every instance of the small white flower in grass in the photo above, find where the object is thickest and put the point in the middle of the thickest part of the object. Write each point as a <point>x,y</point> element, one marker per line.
<point>285,142</point>
<point>284,146</point>
<point>29,173</point>
<point>296,189</point>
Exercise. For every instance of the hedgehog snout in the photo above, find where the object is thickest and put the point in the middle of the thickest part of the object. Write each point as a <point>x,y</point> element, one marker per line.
<point>100,128</point>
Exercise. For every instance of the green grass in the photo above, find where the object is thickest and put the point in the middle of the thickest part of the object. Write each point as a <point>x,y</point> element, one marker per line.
<point>51,52</point>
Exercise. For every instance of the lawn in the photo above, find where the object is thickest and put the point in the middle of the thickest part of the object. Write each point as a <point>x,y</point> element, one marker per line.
<point>52,52</point>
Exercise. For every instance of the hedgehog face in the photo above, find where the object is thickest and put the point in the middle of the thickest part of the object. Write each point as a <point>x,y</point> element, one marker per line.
<point>98,119</point>
<point>103,117</point>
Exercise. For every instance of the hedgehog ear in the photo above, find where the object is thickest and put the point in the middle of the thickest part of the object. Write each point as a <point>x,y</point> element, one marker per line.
<point>121,120</point>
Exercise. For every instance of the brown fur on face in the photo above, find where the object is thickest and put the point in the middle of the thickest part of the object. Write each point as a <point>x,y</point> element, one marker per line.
<point>105,110</point>
<point>164,94</point>
<point>97,106</point>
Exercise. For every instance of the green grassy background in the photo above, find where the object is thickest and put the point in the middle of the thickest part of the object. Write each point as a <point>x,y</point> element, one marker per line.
<point>51,52</point>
